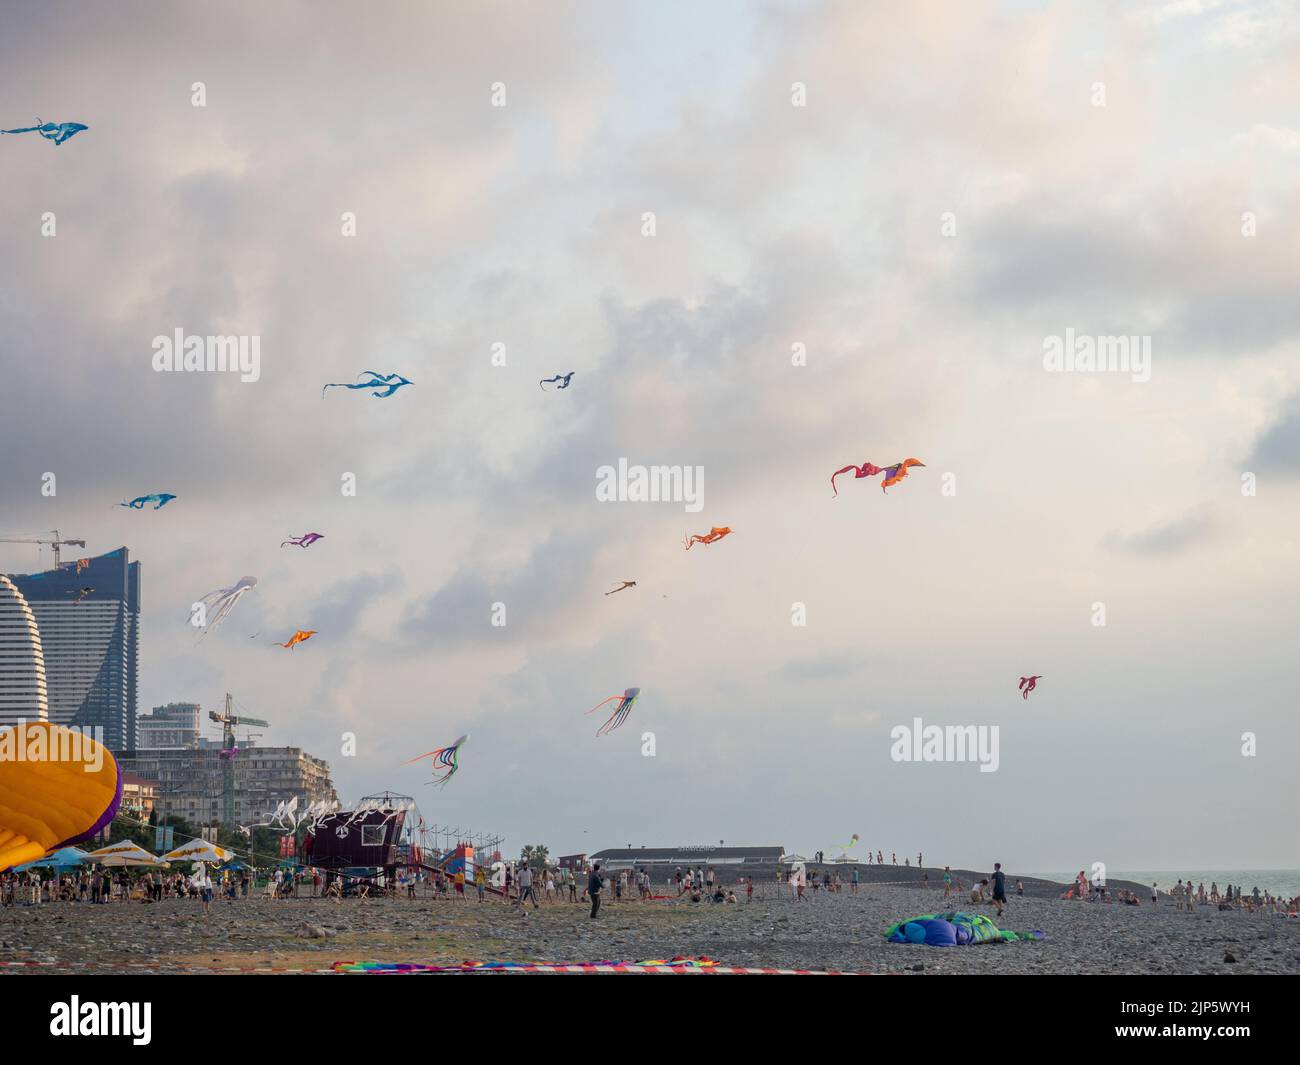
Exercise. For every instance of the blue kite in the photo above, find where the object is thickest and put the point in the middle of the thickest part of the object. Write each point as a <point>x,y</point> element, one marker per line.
<point>563,378</point>
<point>158,499</point>
<point>58,132</point>
<point>384,384</point>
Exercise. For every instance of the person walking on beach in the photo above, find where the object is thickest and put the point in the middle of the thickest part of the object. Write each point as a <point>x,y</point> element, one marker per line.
<point>526,891</point>
<point>999,887</point>
<point>593,889</point>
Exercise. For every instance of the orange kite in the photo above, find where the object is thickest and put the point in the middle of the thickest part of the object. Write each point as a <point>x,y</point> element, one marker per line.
<point>716,533</point>
<point>298,637</point>
<point>894,474</point>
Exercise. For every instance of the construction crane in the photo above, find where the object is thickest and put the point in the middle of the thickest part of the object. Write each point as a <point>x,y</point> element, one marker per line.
<point>56,543</point>
<point>228,721</point>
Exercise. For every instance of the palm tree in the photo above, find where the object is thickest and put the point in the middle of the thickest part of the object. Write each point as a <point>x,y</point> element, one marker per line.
<point>535,856</point>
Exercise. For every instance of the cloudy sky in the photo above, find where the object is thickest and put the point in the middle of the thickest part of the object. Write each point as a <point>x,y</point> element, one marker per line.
<point>775,225</point>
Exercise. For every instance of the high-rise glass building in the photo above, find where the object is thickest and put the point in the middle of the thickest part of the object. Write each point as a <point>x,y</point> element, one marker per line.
<point>88,614</point>
<point>23,695</point>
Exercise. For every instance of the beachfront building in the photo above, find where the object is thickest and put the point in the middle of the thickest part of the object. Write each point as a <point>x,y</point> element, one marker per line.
<point>23,695</point>
<point>138,797</point>
<point>172,725</point>
<point>190,781</point>
<point>88,613</point>
<point>687,856</point>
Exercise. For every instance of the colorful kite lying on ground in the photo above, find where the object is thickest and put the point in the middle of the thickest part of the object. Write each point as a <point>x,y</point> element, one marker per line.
<point>714,534</point>
<point>621,711</point>
<point>678,963</point>
<point>625,584</point>
<point>562,378</point>
<point>1028,684</point>
<point>158,499</point>
<point>384,384</point>
<point>298,637</point>
<point>445,761</point>
<point>305,540</point>
<point>953,930</point>
<point>58,132</point>
<point>218,605</point>
<point>893,474</point>
<point>69,793</point>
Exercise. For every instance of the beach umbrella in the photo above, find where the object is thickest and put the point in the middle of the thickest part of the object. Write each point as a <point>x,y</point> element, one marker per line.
<point>199,850</point>
<point>123,853</point>
<point>64,858</point>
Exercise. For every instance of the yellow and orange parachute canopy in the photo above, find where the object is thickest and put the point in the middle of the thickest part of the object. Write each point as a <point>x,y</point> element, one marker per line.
<point>57,786</point>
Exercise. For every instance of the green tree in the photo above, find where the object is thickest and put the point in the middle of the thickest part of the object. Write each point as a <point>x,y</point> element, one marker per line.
<point>535,856</point>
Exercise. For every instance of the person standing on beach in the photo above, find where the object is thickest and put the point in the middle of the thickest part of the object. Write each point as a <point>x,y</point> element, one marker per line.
<point>593,889</point>
<point>526,891</point>
<point>999,887</point>
<point>1154,893</point>
<point>947,881</point>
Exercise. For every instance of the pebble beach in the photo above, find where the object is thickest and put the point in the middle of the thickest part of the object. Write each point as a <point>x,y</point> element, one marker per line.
<point>840,932</point>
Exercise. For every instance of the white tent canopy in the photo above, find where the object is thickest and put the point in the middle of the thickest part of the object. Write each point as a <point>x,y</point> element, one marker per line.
<point>123,853</point>
<point>198,850</point>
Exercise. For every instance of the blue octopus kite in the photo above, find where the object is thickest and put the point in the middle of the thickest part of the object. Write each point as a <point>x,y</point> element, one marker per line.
<point>58,132</point>
<point>563,378</point>
<point>384,384</point>
<point>621,711</point>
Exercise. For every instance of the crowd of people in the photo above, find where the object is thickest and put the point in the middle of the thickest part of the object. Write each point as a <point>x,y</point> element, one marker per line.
<point>519,884</point>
